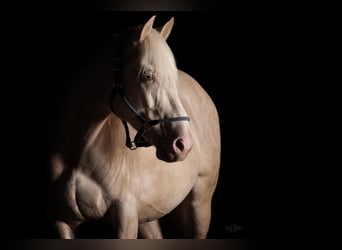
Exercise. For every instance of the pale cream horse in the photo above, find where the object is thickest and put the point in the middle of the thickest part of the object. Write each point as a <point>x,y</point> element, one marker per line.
<point>95,172</point>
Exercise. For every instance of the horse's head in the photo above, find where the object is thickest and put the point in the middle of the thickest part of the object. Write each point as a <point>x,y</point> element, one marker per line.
<point>147,94</point>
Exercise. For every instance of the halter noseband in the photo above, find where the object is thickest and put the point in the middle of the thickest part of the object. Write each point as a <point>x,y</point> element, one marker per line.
<point>139,140</point>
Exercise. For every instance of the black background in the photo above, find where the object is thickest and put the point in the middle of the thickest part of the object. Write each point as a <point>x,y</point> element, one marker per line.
<point>240,56</point>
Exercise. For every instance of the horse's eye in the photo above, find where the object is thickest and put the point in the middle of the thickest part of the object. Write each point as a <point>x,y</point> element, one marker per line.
<point>148,76</point>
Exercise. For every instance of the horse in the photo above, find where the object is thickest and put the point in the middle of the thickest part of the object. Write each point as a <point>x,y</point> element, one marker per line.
<point>137,139</point>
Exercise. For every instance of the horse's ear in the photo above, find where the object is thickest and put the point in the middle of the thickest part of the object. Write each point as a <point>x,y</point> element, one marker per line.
<point>146,29</point>
<point>165,30</point>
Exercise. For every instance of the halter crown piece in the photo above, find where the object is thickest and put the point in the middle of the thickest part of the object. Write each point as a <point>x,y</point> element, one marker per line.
<point>139,140</point>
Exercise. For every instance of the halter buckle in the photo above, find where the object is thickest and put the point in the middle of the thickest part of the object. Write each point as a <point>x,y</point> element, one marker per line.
<point>133,146</point>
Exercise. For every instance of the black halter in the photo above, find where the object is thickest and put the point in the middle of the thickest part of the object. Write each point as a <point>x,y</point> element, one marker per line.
<point>139,140</point>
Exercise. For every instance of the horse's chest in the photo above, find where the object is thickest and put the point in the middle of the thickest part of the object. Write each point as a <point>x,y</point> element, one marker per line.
<point>157,187</point>
<point>160,189</point>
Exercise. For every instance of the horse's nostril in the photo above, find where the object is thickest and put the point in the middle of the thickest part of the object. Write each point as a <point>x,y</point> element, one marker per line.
<point>180,144</point>
<point>181,147</point>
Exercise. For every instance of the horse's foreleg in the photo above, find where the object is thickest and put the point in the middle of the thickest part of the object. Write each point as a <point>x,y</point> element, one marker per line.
<point>150,230</point>
<point>201,219</point>
<point>64,230</point>
<point>200,206</point>
<point>127,219</point>
<point>191,219</point>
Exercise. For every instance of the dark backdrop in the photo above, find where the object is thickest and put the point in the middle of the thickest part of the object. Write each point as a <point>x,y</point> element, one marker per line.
<point>235,55</point>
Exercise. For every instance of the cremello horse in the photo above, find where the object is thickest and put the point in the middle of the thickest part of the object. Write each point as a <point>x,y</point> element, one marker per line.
<point>136,150</point>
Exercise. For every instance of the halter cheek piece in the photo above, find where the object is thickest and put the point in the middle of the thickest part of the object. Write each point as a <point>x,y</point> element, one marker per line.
<point>139,140</point>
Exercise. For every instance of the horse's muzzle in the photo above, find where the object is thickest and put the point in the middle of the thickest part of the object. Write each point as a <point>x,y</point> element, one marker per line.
<point>178,151</point>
